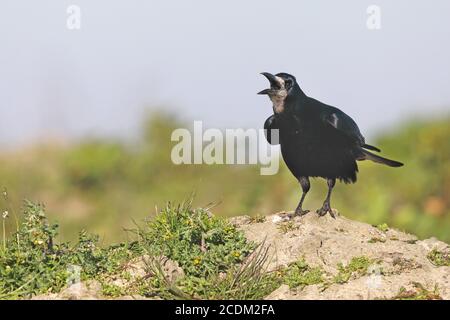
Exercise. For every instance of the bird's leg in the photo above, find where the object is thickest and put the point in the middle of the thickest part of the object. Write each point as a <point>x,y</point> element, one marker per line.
<point>326,208</point>
<point>304,182</point>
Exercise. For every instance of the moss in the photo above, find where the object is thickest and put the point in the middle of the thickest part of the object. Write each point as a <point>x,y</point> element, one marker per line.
<point>438,258</point>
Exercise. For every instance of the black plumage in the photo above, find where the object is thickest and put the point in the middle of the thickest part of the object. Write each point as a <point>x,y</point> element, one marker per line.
<point>317,140</point>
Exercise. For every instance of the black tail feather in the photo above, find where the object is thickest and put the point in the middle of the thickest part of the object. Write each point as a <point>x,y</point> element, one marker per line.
<point>368,146</point>
<point>375,158</point>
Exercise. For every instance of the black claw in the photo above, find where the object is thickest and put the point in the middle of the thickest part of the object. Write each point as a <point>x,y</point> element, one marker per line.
<point>324,210</point>
<point>300,212</point>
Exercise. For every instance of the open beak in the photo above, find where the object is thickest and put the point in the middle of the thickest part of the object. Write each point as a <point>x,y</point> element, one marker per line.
<point>273,83</point>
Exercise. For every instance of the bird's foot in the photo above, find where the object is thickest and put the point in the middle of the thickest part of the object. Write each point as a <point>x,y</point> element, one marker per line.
<point>326,208</point>
<point>300,212</point>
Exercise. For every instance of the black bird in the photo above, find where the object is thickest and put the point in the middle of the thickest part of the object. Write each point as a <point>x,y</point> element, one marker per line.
<point>317,140</point>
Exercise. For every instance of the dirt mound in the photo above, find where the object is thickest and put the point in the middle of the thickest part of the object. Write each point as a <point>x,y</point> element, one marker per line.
<point>360,261</point>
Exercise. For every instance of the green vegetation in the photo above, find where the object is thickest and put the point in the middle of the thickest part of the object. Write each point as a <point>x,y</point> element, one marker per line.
<point>376,239</point>
<point>258,219</point>
<point>32,262</point>
<point>201,243</point>
<point>213,254</point>
<point>209,259</point>
<point>217,261</point>
<point>300,274</point>
<point>439,258</point>
<point>419,293</point>
<point>286,227</point>
<point>103,185</point>
<point>238,281</point>
<point>357,267</point>
<point>214,259</point>
<point>383,227</point>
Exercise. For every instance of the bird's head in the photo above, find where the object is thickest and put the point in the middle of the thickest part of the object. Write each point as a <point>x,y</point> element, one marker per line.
<point>282,86</point>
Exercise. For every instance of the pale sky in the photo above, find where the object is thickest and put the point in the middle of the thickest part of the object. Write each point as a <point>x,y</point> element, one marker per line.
<point>202,58</point>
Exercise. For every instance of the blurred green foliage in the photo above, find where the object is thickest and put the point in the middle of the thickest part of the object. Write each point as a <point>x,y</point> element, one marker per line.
<point>102,186</point>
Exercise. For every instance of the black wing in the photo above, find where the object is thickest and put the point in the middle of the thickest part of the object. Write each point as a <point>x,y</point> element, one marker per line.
<point>343,123</point>
<point>269,125</point>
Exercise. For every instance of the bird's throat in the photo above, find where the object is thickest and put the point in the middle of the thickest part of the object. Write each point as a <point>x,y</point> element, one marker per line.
<point>278,101</point>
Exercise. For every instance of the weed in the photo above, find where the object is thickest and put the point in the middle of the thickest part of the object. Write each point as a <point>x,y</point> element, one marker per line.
<point>258,219</point>
<point>286,227</point>
<point>439,258</point>
<point>300,274</point>
<point>376,239</point>
<point>357,267</point>
<point>112,290</point>
<point>420,293</point>
<point>383,227</point>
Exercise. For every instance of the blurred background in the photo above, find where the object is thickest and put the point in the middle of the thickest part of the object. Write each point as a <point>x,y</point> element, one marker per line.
<point>86,114</point>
